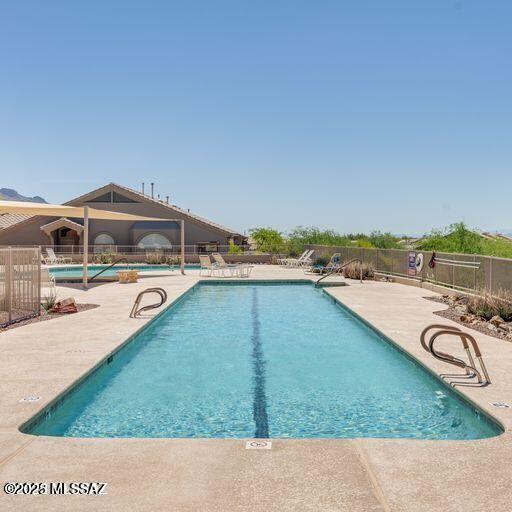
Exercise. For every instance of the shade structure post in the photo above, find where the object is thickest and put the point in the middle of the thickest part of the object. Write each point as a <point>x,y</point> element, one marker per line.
<point>86,246</point>
<point>182,242</point>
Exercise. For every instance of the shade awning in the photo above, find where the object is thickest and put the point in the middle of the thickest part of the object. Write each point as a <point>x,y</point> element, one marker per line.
<point>59,210</point>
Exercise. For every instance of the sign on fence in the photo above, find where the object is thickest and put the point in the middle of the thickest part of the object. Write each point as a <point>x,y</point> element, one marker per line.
<point>412,263</point>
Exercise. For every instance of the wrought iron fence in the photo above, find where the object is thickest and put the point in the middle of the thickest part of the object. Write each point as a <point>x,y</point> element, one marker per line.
<point>135,249</point>
<point>20,283</point>
<point>468,272</point>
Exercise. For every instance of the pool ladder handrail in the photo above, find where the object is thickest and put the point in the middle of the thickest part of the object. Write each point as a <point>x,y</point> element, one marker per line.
<point>467,340</point>
<point>341,267</point>
<point>107,268</point>
<point>136,310</point>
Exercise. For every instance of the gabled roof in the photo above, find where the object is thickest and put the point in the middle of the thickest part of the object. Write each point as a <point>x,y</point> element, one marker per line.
<point>139,197</point>
<point>62,222</point>
<point>14,220</point>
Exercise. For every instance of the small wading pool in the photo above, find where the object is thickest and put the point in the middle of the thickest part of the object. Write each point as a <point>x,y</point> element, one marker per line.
<point>61,273</point>
<point>260,360</point>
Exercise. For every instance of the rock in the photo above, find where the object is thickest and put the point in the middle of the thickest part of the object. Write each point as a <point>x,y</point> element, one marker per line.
<point>467,319</point>
<point>460,309</point>
<point>492,327</point>
<point>497,320</point>
<point>507,327</point>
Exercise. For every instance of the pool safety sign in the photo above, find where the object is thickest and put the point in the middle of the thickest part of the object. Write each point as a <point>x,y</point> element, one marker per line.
<point>415,263</point>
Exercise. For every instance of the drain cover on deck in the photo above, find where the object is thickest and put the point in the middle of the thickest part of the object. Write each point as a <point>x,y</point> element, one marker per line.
<point>500,405</point>
<point>30,398</point>
<point>258,445</point>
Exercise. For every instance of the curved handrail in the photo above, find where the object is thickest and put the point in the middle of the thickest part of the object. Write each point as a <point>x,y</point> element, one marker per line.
<point>467,340</point>
<point>438,326</point>
<point>336,270</point>
<point>447,357</point>
<point>106,268</point>
<point>136,310</point>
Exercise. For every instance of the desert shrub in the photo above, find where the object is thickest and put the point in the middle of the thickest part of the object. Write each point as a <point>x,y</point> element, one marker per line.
<point>234,249</point>
<point>382,240</point>
<point>172,260</point>
<point>459,238</point>
<point>268,240</point>
<point>155,258</point>
<point>301,236</point>
<point>49,300</point>
<point>323,259</point>
<point>353,270</point>
<point>486,305</point>
<point>105,258</point>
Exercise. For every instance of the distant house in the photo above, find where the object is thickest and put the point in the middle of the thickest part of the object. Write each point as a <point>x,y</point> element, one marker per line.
<point>202,234</point>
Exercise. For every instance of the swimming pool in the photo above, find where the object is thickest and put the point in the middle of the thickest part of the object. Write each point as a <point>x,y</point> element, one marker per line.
<point>76,271</point>
<point>260,360</point>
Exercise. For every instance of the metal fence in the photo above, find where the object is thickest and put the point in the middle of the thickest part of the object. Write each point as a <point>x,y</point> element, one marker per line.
<point>20,283</point>
<point>468,272</point>
<point>135,249</point>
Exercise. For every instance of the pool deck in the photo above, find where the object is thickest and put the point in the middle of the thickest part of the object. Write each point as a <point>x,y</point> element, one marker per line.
<point>43,359</point>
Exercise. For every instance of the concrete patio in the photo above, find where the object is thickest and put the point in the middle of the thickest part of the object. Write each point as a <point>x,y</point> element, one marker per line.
<point>44,359</point>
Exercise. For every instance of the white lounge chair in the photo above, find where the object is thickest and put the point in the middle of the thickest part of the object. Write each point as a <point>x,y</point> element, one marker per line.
<point>221,264</point>
<point>283,261</point>
<point>304,260</point>
<point>53,259</point>
<point>206,264</point>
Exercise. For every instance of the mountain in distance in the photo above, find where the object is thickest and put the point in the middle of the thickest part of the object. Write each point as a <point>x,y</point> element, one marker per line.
<point>9,194</point>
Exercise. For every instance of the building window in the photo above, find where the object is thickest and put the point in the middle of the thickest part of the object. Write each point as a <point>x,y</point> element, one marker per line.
<point>104,239</point>
<point>154,241</point>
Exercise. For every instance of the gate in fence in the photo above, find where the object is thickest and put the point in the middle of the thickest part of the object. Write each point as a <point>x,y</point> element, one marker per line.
<point>20,283</point>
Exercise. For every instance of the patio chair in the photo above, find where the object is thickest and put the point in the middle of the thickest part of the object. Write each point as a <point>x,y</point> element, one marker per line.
<point>334,263</point>
<point>304,260</point>
<point>283,261</point>
<point>221,264</point>
<point>206,264</point>
<point>53,259</point>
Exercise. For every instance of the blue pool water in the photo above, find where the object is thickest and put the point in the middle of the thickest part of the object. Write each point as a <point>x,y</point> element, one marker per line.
<point>76,271</point>
<point>254,360</point>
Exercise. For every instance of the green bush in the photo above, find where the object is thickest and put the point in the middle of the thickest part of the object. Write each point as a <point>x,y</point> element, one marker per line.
<point>268,240</point>
<point>105,258</point>
<point>323,260</point>
<point>155,258</point>
<point>172,260</point>
<point>49,301</point>
<point>234,249</point>
<point>458,238</point>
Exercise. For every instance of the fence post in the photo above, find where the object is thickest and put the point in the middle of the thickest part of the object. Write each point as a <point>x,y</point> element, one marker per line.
<point>38,263</point>
<point>8,284</point>
<point>490,275</point>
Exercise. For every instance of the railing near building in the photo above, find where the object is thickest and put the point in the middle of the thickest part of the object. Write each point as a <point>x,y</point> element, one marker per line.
<point>135,249</point>
<point>468,272</point>
<point>20,283</point>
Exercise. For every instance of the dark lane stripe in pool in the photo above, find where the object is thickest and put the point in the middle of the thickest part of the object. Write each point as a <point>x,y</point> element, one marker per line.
<point>258,364</point>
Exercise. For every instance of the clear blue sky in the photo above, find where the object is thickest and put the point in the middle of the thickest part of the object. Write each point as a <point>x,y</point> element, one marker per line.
<point>354,115</point>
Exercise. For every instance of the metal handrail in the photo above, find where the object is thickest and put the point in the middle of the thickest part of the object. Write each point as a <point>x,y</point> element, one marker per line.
<point>336,270</point>
<point>136,310</point>
<point>458,263</point>
<point>467,340</point>
<point>105,269</point>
